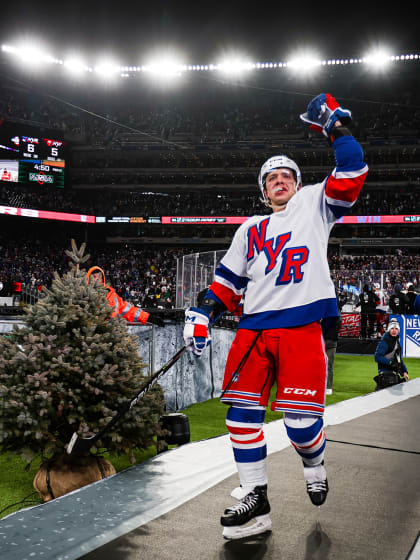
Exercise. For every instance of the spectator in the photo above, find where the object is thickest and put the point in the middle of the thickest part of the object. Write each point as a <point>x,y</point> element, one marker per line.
<point>398,302</point>
<point>129,312</point>
<point>368,301</point>
<point>411,297</point>
<point>391,367</point>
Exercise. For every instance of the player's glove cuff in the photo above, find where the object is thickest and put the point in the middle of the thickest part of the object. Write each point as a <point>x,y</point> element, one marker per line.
<point>196,335</point>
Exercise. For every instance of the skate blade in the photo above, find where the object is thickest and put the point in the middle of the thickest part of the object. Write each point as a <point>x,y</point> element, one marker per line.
<point>260,524</point>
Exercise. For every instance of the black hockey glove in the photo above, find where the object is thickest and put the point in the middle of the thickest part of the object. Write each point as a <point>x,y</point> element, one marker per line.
<point>156,320</point>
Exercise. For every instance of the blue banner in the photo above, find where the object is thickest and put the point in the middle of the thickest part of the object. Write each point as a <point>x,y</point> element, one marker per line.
<point>409,334</point>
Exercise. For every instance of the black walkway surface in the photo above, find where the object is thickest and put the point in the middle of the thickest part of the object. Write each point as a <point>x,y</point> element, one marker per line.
<point>372,511</point>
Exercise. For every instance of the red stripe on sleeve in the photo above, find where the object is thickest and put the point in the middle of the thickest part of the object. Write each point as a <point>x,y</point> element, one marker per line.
<point>346,190</point>
<point>226,296</point>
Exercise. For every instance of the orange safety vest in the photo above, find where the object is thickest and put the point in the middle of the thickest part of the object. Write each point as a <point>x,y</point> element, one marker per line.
<point>131,313</point>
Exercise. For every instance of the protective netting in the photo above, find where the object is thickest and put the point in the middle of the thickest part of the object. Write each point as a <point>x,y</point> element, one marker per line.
<point>195,273</point>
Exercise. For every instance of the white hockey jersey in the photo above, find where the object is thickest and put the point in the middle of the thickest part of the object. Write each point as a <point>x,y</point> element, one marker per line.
<point>277,265</point>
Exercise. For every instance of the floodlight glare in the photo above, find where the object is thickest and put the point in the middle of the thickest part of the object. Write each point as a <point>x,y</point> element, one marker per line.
<point>164,68</point>
<point>378,59</point>
<point>234,66</point>
<point>31,56</point>
<point>8,49</point>
<point>164,64</point>
<point>29,53</point>
<point>108,69</point>
<point>49,59</point>
<point>304,63</point>
<point>76,66</point>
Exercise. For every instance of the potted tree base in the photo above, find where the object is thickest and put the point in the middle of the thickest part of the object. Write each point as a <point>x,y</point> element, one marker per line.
<point>66,473</point>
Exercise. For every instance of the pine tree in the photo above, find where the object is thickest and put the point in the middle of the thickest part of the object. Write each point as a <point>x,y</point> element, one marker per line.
<point>71,367</point>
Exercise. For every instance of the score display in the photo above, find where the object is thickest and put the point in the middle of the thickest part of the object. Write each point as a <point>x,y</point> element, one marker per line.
<point>31,155</point>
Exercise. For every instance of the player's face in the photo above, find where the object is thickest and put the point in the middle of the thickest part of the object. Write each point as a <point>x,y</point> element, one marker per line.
<point>393,331</point>
<point>280,186</point>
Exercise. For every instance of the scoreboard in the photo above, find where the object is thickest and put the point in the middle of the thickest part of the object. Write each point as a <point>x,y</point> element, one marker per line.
<point>31,155</point>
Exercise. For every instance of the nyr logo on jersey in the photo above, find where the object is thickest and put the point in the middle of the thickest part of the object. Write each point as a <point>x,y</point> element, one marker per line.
<point>276,250</point>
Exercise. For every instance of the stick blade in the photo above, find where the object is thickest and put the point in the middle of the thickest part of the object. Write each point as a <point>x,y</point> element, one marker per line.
<point>78,445</point>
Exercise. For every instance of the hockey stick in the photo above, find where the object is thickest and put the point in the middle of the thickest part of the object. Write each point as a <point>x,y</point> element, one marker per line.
<point>235,374</point>
<point>79,445</point>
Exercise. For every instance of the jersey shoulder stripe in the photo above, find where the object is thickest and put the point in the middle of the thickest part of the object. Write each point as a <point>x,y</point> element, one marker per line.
<point>229,278</point>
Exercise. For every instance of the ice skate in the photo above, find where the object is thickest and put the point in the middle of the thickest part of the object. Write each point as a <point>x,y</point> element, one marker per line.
<point>239,493</point>
<point>316,483</point>
<point>249,516</point>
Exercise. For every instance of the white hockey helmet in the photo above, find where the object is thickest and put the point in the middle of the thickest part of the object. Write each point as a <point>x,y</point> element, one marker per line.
<point>277,162</point>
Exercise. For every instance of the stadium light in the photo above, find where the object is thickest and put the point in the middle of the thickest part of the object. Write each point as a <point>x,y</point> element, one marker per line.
<point>378,59</point>
<point>107,69</point>
<point>235,67</point>
<point>165,67</point>
<point>30,54</point>
<point>304,62</point>
<point>8,49</point>
<point>233,64</point>
<point>76,66</point>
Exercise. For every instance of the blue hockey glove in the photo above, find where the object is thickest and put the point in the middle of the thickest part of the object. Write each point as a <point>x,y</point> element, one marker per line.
<point>196,334</point>
<point>323,112</point>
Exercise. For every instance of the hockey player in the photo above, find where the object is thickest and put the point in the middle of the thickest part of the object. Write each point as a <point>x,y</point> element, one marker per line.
<point>278,265</point>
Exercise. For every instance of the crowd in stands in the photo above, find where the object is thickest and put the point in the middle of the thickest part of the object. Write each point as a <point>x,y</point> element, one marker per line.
<point>147,276</point>
<point>222,121</point>
<point>386,270</point>
<point>111,149</point>
<point>201,178</point>
<point>235,202</point>
<point>126,174</point>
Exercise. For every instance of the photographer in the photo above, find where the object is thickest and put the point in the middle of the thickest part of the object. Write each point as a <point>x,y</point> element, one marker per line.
<point>391,368</point>
<point>368,301</point>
